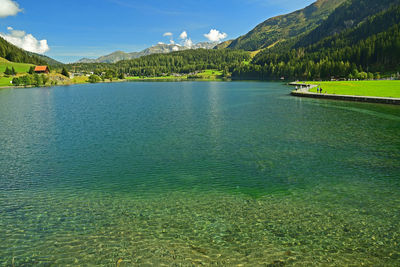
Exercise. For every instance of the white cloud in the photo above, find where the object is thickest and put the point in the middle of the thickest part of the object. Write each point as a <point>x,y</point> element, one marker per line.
<point>160,43</point>
<point>170,35</point>
<point>183,35</point>
<point>8,8</point>
<point>25,41</point>
<point>188,43</point>
<point>175,48</point>
<point>215,35</point>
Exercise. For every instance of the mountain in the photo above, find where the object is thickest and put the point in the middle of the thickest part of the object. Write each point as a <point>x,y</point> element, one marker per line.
<point>223,45</point>
<point>156,49</point>
<point>281,28</point>
<point>204,45</point>
<point>48,60</point>
<point>346,16</point>
<point>359,39</point>
<point>111,58</point>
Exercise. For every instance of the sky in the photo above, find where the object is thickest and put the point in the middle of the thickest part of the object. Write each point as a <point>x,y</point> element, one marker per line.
<point>70,30</point>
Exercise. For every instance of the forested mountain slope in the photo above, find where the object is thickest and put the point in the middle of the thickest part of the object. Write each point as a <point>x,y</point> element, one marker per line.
<point>15,54</point>
<point>284,27</point>
<point>373,46</point>
<point>346,16</point>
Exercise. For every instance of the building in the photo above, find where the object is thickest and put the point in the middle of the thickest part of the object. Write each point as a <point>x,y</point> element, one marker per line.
<point>41,69</point>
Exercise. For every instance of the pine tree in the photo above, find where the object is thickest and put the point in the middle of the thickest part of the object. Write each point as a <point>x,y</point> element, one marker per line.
<point>31,70</point>
<point>8,71</point>
<point>65,72</point>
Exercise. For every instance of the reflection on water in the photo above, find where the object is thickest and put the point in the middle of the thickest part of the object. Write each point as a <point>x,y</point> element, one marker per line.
<point>196,173</point>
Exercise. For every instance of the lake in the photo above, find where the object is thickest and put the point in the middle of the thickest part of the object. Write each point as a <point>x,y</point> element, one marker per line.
<point>196,173</point>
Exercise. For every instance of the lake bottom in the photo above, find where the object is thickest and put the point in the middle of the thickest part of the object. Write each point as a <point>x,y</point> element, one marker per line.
<point>201,228</point>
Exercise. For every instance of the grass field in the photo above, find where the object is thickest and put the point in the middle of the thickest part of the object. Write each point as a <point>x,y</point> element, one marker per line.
<point>254,53</point>
<point>361,88</point>
<point>80,79</point>
<point>5,81</point>
<point>19,67</point>
<point>210,74</point>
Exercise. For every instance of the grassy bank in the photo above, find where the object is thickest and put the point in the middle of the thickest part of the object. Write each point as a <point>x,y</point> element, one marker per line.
<point>360,88</point>
<point>5,81</point>
<point>55,78</point>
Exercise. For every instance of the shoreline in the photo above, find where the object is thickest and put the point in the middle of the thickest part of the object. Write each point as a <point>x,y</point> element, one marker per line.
<point>119,81</point>
<point>304,92</point>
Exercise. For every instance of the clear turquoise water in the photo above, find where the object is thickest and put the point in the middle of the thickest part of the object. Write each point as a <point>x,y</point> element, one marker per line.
<point>196,173</point>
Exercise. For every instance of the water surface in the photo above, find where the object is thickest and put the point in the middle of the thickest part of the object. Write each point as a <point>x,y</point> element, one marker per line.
<point>196,173</point>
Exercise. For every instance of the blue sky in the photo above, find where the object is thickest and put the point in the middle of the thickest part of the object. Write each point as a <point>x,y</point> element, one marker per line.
<point>91,28</point>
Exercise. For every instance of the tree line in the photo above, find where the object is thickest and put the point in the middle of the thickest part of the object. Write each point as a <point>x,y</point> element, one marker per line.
<point>183,62</point>
<point>35,79</point>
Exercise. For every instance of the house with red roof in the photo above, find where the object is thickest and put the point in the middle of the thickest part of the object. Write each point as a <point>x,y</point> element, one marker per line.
<point>41,69</point>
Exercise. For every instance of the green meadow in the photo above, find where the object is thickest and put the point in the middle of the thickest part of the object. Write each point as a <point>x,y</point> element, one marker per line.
<point>5,81</point>
<point>80,79</point>
<point>210,74</point>
<point>360,88</point>
<point>19,67</point>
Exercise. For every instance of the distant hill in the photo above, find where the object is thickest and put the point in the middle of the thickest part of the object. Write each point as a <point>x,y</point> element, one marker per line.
<point>48,60</point>
<point>156,49</point>
<point>284,27</point>
<point>111,58</point>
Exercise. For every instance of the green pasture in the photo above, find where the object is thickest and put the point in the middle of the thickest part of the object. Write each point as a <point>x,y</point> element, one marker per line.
<point>19,67</point>
<point>210,73</point>
<point>361,88</point>
<point>80,79</point>
<point>5,81</point>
